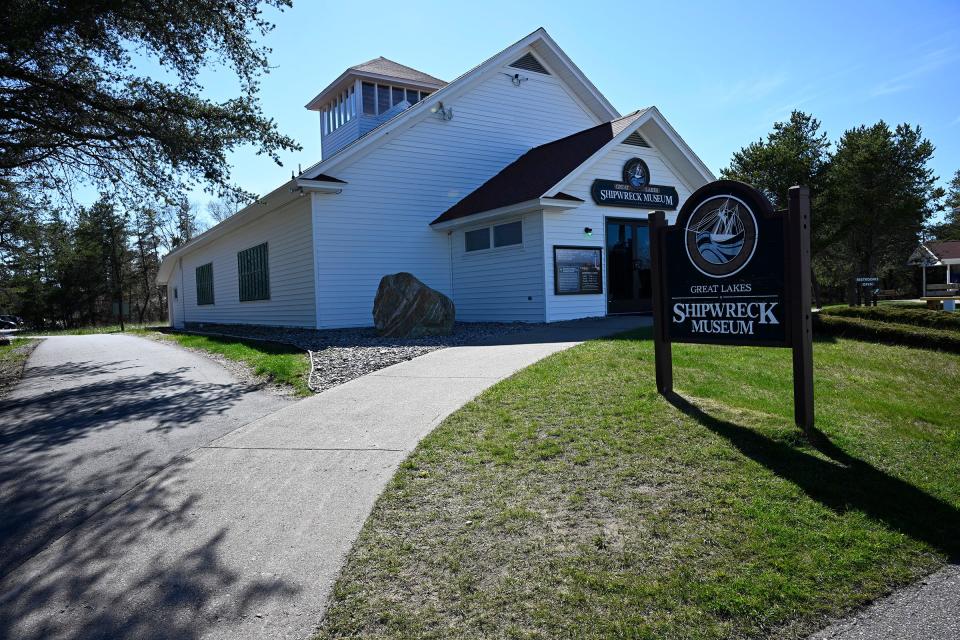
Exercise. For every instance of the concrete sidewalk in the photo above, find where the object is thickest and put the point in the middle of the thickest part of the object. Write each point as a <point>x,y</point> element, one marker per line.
<point>244,537</point>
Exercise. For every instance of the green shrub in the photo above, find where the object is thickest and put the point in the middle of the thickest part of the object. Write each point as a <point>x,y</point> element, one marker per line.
<point>900,315</point>
<point>887,332</point>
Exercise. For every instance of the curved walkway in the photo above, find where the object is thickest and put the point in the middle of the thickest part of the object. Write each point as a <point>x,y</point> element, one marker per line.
<point>243,535</point>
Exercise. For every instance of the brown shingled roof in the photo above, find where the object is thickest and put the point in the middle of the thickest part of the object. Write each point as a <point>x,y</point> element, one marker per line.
<point>529,176</point>
<point>384,67</point>
<point>945,249</point>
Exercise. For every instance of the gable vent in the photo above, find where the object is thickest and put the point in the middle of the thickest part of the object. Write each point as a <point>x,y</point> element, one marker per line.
<point>529,63</point>
<point>636,140</point>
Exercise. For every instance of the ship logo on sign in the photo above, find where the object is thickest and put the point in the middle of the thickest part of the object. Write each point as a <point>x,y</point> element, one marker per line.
<point>721,236</point>
<point>636,173</point>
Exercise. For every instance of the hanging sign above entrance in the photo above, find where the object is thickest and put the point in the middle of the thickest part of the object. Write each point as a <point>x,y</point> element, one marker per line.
<point>634,190</point>
<point>733,271</point>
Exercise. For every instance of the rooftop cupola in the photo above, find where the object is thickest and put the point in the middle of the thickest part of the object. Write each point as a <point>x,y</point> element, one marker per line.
<point>365,96</point>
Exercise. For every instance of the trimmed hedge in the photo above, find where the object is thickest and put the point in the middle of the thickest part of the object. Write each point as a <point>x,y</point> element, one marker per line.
<point>899,315</point>
<point>886,332</point>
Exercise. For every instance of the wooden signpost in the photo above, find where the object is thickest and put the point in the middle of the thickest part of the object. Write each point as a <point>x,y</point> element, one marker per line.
<point>733,271</point>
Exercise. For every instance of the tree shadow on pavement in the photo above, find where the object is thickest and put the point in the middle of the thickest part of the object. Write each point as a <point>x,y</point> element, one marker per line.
<point>843,482</point>
<point>115,576</point>
<point>50,478</point>
<point>39,421</point>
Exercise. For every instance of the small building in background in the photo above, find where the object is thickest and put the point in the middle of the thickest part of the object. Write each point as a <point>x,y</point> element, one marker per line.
<point>942,253</point>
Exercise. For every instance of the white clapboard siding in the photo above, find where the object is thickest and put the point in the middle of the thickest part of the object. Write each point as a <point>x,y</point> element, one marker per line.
<point>287,231</point>
<point>333,141</point>
<point>501,284</point>
<point>567,228</point>
<point>379,224</point>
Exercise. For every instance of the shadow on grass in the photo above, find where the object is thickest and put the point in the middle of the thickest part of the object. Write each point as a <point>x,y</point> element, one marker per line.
<point>844,484</point>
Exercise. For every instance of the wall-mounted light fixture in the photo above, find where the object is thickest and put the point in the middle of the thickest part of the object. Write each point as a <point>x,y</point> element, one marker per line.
<point>515,78</point>
<point>442,112</point>
<point>587,232</point>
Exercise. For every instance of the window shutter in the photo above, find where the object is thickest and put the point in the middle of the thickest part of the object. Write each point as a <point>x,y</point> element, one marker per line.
<point>205,284</point>
<point>253,270</point>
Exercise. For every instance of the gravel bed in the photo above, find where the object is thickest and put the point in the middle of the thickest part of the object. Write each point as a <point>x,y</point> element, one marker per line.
<point>340,355</point>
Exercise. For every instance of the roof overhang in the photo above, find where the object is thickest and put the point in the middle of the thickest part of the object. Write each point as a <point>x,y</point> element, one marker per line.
<point>555,205</point>
<point>340,83</point>
<point>319,186</point>
<point>280,197</point>
<point>539,41</point>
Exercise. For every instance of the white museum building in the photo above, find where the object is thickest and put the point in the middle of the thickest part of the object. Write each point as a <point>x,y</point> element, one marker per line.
<point>517,190</point>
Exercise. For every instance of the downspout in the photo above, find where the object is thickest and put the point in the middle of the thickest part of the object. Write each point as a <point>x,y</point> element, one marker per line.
<point>450,252</point>
<point>183,302</point>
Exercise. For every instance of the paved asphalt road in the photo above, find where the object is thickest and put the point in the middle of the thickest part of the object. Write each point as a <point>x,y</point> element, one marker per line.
<point>928,610</point>
<point>243,535</point>
<point>94,418</point>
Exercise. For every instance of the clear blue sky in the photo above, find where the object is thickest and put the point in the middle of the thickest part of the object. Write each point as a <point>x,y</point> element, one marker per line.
<point>722,73</point>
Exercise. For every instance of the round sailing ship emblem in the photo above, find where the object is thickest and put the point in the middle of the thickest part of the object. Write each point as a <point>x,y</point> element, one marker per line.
<point>721,236</point>
<point>636,173</point>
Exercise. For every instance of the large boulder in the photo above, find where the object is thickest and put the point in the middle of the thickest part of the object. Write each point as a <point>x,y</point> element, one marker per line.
<point>405,307</point>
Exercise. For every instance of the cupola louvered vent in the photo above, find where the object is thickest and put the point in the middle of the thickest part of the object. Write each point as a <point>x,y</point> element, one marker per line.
<point>529,63</point>
<point>636,140</point>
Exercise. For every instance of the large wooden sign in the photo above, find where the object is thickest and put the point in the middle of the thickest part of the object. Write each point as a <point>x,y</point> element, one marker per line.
<point>733,271</point>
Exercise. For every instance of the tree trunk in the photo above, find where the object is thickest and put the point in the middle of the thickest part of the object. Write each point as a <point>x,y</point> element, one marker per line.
<point>816,289</point>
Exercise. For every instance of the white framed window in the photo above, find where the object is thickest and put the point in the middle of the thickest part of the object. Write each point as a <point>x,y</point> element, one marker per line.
<point>477,239</point>
<point>507,234</point>
<point>369,91</point>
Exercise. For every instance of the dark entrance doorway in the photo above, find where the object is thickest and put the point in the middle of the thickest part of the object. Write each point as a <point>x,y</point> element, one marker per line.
<point>628,266</point>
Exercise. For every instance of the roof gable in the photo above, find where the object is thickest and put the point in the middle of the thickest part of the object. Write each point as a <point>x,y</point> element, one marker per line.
<point>539,42</point>
<point>535,172</point>
<point>545,171</point>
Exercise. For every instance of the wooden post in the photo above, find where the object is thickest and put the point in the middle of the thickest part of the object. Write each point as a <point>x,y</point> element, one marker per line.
<point>798,283</point>
<point>663,355</point>
<point>923,292</point>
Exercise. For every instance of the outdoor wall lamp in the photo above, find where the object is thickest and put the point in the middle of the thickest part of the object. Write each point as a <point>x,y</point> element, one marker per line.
<point>442,112</point>
<point>587,232</point>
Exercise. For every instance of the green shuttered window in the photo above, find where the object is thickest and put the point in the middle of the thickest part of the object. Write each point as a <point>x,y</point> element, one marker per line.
<point>253,267</point>
<point>205,284</point>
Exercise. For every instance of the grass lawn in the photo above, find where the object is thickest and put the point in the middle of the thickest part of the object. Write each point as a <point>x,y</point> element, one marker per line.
<point>12,358</point>
<point>572,501</point>
<point>279,363</point>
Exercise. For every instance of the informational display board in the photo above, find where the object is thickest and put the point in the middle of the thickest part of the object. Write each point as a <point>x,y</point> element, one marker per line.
<point>733,271</point>
<point>577,270</point>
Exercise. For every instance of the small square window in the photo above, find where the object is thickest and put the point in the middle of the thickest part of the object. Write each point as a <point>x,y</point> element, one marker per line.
<point>477,239</point>
<point>397,93</point>
<point>505,235</point>
<point>413,97</point>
